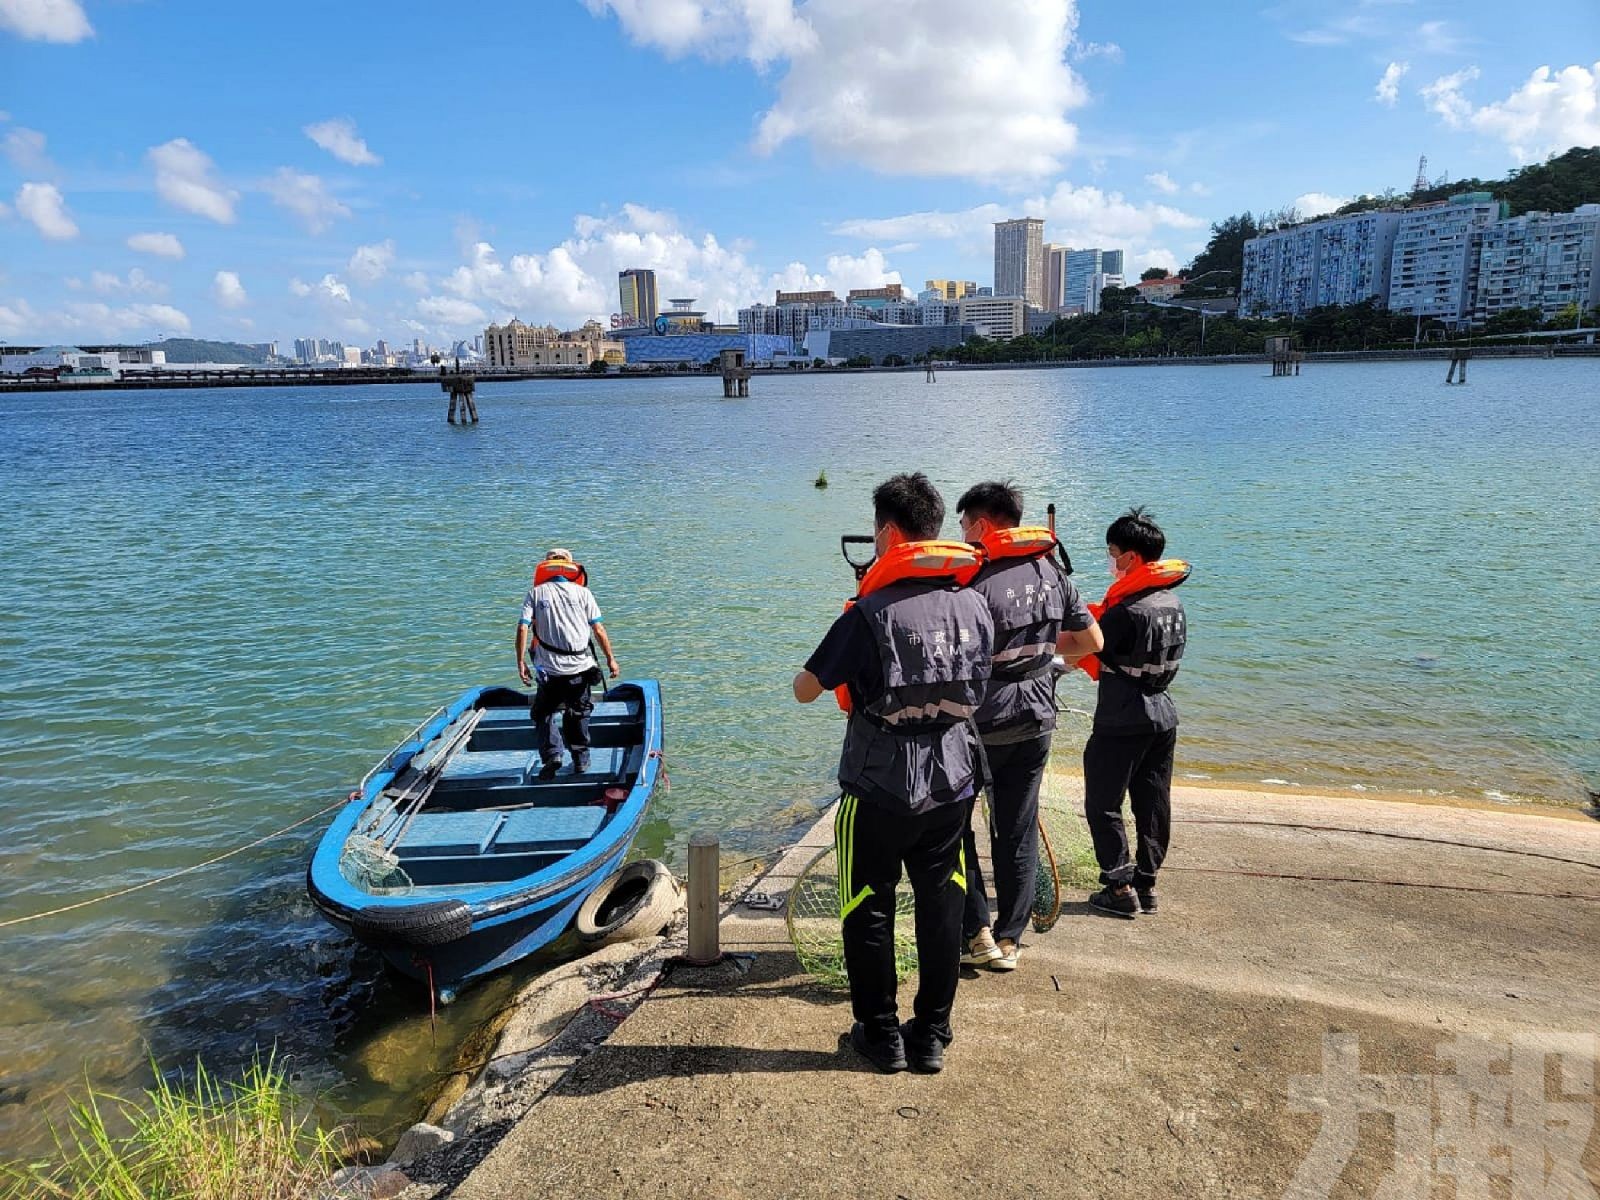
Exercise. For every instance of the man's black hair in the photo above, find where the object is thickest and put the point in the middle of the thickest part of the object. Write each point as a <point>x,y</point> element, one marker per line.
<point>1137,530</point>
<point>912,503</point>
<point>999,502</point>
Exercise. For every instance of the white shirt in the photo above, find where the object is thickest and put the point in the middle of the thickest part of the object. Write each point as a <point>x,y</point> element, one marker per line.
<point>561,613</point>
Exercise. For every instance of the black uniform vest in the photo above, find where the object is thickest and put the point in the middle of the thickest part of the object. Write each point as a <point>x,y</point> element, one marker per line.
<point>1027,598</point>
<point>911,745</point>
<point>1136,672</point>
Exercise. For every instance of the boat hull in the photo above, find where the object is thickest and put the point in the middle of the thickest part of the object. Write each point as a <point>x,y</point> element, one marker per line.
<point>448,934</point>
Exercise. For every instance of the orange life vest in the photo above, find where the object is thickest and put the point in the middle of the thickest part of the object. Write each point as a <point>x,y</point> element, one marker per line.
<point>560,568</point>
<point>1146,577</point>
<point>1025,541</point>
<point>932,560</point>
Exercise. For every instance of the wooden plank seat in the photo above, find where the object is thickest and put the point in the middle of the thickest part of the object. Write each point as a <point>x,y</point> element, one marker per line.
<point>487,767</point>
<point>437,835</point>
<point>604,710</point>
<point>532,829</point>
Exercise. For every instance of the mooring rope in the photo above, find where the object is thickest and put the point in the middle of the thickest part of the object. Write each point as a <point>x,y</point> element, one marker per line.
<point>167,878</point>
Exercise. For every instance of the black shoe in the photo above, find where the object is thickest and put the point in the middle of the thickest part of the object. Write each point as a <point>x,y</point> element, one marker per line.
<point>1114,903</point>
<point>924,1051</point>
<point>1147,899</point>
<point>547,772</point>
<point>888,1055</point>
<point>580,764</point>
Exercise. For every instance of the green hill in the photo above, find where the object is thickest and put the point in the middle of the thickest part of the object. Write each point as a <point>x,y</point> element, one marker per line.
<point>198,350</point>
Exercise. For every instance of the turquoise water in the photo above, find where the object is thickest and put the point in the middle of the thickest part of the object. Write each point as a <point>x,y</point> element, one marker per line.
<point>219,607</point>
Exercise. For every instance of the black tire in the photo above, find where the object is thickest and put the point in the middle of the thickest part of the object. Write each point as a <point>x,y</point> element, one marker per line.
<point>431,924</point>
<point>638,901</point>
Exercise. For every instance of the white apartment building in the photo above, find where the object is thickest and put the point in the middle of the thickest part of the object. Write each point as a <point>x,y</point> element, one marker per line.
<point>1540,260</point>
<point>1337,261</point>
<point>1434,272</point>
<point>1098,283</point>
<point>998,317</point>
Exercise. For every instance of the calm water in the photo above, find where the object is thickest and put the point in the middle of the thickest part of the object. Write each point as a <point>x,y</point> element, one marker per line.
<point>218,608</point>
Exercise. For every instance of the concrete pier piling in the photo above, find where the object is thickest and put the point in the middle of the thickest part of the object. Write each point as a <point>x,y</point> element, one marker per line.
<point>460,386</point>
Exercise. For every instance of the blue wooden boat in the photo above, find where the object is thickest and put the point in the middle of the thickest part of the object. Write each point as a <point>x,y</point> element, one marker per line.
<point>454,859</point>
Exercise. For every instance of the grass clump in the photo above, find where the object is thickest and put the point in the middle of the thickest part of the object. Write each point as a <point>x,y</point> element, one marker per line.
<point>210,1139</point>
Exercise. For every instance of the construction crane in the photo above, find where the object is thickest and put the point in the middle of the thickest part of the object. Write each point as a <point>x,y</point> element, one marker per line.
<point>1422,175</point>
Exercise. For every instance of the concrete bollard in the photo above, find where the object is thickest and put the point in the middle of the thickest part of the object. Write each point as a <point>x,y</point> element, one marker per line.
<point>705,940</point>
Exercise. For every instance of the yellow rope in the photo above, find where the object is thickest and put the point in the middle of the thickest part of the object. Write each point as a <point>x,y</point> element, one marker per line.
<point>66,908</point>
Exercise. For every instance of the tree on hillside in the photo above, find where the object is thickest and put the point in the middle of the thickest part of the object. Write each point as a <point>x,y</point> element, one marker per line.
<point>1153,273</point>
<point>1559,184</point>
<point>1225,250</point>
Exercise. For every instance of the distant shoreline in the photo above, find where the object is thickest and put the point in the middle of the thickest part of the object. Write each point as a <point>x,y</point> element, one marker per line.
<point>279,378</point>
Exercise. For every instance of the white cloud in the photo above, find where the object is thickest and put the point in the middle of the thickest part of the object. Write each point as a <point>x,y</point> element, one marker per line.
<point>136,284</point>
<point>299,287</point>
<point>417,281</point>
<point>1317,204</point>
<point>339,138</point>
<point>760,30</point>
<point>16,318</point>
<point>1444,96</point>
<point>447,312</point>
<point>371,263</point>
<point>25,148</point>
<point>356,325</point>
<point>43,205</point>
<point>45,20</point>
<point>103,320</point>
<point>1388,89</point>
<point>1074,216</point>
<point>162,245</point>
<point>940,88</point>
<point>334,290</point>
<point>228,290</point>
<point>307,197</point>
<point>1109,51</point>
<point>866,270</point>
<point>186,179</point>
<point>1156,256</point>
<point>1552,111</point>
<point>1162,182</point>
<point>576,279</point>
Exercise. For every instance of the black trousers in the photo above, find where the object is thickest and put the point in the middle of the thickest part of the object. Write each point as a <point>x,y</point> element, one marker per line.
<point>565,697</point>
<point>1139,766</point>
<point>872,844</point>
<point>1015,773</point>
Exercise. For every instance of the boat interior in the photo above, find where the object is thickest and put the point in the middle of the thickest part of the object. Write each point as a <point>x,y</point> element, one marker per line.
<point>470,808</point>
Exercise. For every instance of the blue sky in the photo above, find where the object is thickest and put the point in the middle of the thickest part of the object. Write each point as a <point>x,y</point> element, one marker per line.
<point>363,170</point>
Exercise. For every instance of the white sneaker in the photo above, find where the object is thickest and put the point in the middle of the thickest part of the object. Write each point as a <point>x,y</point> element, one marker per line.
<point>980,950</point>
<point>1007,953</point>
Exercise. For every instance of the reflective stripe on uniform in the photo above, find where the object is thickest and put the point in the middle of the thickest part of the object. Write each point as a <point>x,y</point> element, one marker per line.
<point>926,712</point>
<point>1028,651</point>
<point>844,837</point>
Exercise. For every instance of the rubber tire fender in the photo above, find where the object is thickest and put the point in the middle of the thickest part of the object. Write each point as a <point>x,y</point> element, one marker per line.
<point>637,901</point>
<point>432,924</point>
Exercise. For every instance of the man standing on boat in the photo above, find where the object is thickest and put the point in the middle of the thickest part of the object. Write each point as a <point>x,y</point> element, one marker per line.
<point>1135,736</point>
<point>912,652</point>
<point>562,615</point>
<point>1037,614</point>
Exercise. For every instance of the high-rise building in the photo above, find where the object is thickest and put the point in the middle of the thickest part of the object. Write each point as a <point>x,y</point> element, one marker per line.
<point>1434,271</point>
<point>806,298</point>
<point>876,297</point>
<point>952,289</point>
<point>1540,260</point>
<point>1019,259</point>
<point>1337,261</point>
<point>1055,276</point>
<point>305,349</point>
<point>637,286</point>
<point>1111,262</point>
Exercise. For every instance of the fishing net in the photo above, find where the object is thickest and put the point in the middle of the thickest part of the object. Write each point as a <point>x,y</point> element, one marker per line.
<point>368,864</point>
<point>814,926</point>
<point>1066,852</point>
<point>1066,863</point>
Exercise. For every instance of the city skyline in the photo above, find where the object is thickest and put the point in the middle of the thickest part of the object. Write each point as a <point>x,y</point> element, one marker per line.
<point>218,207</point>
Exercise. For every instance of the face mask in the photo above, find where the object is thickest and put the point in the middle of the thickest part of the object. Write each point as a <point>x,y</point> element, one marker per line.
<point>1111,566</point>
